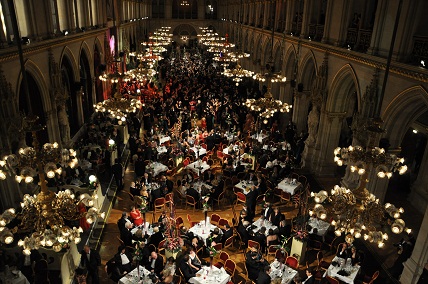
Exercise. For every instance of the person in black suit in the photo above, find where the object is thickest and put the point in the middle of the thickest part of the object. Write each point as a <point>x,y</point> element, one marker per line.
<point>276,216</point>
<point>140,167</point>
<point>264,277</point>
<point>156,238</point>
<point>122,221</point>
<point>117,170</point>
<point>214,237</point>
<point>310,279</point>
<point>90,259</point>
<point>343,251</point>
<point>123,260</point>
<point>208,176</point>
<point>252,202</point>
<point>155,263</point>
<point>266,211</point>
<point>126,235</point>
<point>254,264</point>
<point>146,179</point>
<point>243,232</point>
<point>260,237</point>
<point>113,270</point>
<point>185,268</point>
<point>192,192</point>
<point>227,233</point>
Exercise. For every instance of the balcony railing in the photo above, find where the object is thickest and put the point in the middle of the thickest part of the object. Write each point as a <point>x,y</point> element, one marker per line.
<point>420,48</point>
<point>358,39</point>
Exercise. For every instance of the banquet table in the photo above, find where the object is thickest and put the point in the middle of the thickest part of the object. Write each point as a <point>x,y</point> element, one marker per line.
<point>288,186</point>
<point>10,278</point>
<point>279,270</point>
<point>147,229</point>
<point>322,226</point>
<point>202,231</point>
<point>161,149</point>
<point>198,185</point>
<point>198,166</point>
<point>163,139</point>
<point>267,147</point>
<point>157,168</point>
<point>210,275</point>
<point>202,151</point>
<point>263,223</point>
<point>244,186</point>
<point>333,271</point>
<point>227,150</point>
<point>132,277</point>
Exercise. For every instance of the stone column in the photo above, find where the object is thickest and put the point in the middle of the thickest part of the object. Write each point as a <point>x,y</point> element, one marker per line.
<point>300,110</point>
<point>328,139</point>
<point>266,14</point>
<point>306,20</point>
<point>201,10</point>
<point>413,267</point>
<point>290,16</point>
<point>168,9</point>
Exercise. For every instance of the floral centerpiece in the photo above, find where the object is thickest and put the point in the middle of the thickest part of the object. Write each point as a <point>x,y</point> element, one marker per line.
<point>173,242</point>
<point>212,252</point>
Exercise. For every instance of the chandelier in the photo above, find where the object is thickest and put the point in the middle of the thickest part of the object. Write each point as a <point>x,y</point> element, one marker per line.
<point>267,106</point>
<point>358,158</point>
<point>356,218</point>
<point>43,217</point>
<point>118,107</point>
<point>237,73</point>
<point>116,76</point>
<point>141,74</point>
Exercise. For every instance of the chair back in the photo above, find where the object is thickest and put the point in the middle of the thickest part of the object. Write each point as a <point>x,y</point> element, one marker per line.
<point>292,262</point>
<point>228,242</point>
<point>230,266</point>
<point>223,222</point>
<point>241,197</point>
<point>190,200</point>
<point>253,244</point>
<point>218,247</point>
<point>331,280</point>
<point>161,245</point>
<point>179,222</point>
<point>215,218</point>
<point>281,254</point>
<point>224,256</point>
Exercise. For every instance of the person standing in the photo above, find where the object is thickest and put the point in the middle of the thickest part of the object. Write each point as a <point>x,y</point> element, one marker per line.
<point>90,259</point>
<point>117,170</point>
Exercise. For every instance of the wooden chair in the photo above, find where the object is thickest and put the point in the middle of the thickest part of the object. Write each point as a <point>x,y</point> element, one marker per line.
<point>153,248</point>
<point>189,219</point>
<point>215,218</point>
<point>229,242</point>
<point>190,201</point>
<point>322,264</point>
<point>240,198</point>
<point>285,196</point>
<point>161,247</point>
<point>179,222</point>
<point>222,259</point>
<point>369,280</point>
<point>222,223</point>
<point>292,262</point>
<point>131,196</point>
<point>332,280</point>
<point>303,180</point>
<point>159,204</point>
<point>218,247</point>
<point>230,267</point>
<point>169,197</point>
<point>271,251</point>
<point>253,244</point>
<point>179,195</point>
<point>219,198</point>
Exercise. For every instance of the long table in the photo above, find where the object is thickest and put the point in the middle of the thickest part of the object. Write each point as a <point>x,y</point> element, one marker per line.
<point>210,275</point>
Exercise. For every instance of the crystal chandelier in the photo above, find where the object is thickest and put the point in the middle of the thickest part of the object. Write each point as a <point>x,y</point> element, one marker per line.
<point>237,73</point>
<point>358,218</point>
<point>358,158</point>
<point>267,106</point>
<point>141,74</point>
<point>43,217</point>
<point>118,107</point>
<point>116,76</point>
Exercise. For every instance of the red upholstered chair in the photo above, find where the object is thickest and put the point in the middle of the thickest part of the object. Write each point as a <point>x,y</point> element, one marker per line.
<point>159,204</point>
<point>228,242</point>
<point>179,222</point>
<point>230,267</point>
<point>331,280</point>
<point>215,218</point>
<point>190,201</point>
<point>222,259</point>
<point>222,223</point>
<point>292,262</point>
<point>240,198</point>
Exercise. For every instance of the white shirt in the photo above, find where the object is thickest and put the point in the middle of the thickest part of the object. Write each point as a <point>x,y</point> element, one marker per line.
<point>125,259</point>
<point>306,279</point>
<point>152,265</point>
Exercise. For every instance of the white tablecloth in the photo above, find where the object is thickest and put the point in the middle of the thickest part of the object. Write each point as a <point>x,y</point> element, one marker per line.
<point>243,184</point>
<point>132,277</point>
<point>282,271</point>
<point>322,226</point>
<point>202,151</point>
<point>197,185</point>
<point>259,136</point>
<point>202,231</point>
<point>234,149</point>
<point>161,149</point>
<point>149,231</point>
<point>198,166</point>
<point>163,139</point>
<point>211,275</point>
<point>352,270</point>
<point>286,186</point>
<point>266,147</point>
<point>263,223</point>
<point>157,168</point>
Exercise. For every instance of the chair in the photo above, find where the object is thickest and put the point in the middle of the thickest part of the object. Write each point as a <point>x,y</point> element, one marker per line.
<point>215,218</point>
<point>229,242</point>
<point>159,204</point>
<point>169,197</point>
<point>219,198</point>
<point>314,245</point>
<point>285,196</point>
<point>292,262</point>
<point>322,264</point>
<point>331,280</point>
<point>271,251</point>
<point>253,244</point>
<point>176,279</point>
<point>277,192</point>
<point>189,219</point>
<point>152,248</point>
<point>161,246</point>
<point>222,223</point>
<point>190,201</point>
<point>372,279</point>
<point>235,180</point>
<point>131,196</point>
<point>240,198</point>
<point>230,267</point>
<point>186,162</point>
<point>218,247</point>
<point>303,180</point>
<point>281,254</point>
<point>179,222</point>
<point>260,199</point>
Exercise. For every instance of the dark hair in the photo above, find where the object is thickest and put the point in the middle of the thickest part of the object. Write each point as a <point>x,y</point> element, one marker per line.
<point>271,232</point>
<point>310,270</point>
<point>267,268</point>
<point>186,257</point>
<point>171,259</point>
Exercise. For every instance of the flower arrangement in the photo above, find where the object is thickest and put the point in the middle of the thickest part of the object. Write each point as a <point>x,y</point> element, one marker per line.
<point>174,244</point>
<point>138,253</point>
<point>301,235</point>
<point>284,245</point>
<point>212,252</point>
<point>144,206</point>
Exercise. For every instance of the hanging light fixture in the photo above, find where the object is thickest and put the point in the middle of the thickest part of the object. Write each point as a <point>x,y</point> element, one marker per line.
<point>118,107</point>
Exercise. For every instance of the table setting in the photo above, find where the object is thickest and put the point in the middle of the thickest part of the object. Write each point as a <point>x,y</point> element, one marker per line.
<point>280,270</point>
<point>261,222</point>
<point>198,166</point>
<point>198,151</point>
<point>133,277</point>
<point>203,230</point>
<point>245,186</point>
<point>320,225</point>
<point>259,137</point>
<point>210,275</point>
<point>289,185</point>
<point>343,270</point>
<point>161,150</point>
<point>163,139</point>
<point>146,227</point>
<point>157,168</point>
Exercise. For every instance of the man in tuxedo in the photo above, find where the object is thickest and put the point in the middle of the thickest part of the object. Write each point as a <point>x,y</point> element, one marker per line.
<point>122,221</point>
<point>192,192</point>
<point>155,263</point>
<point>310,279</point>
<point>227,233</point>
<point>264,277</point>
<point>90,259</point>
<point>117,170</point>
<point>266,211</point>
<point>156,238</point>
<point>126,235</point>
<point>146,179</point>
<point>208,176</point>
<point>252,202</point>
<point>254,264</point>
<point>243,232</point>
<point>186,269</point>
<point>123,260</point>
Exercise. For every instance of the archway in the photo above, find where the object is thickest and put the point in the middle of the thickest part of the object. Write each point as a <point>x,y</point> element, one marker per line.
<point>98,70</point>
<point>70,88</point>
<point>86,84</point>
<point>36,107</point>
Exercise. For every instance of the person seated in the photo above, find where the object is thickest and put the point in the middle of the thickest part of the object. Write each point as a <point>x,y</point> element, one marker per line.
<point>227,233</point>
<point>194,261</point>
<point>276,216</point>
<point>186,269</point>
<point>272,238</point>
<point>134,188</point>
<point>355,256</point>
<point>309,278</point>
<point>136,216</point>
<point>264,277</point>
<point>254,263</point>
<point>123,260</point>
<point>260,237</point>
<point>139,236</point>
<point>214,238</point>
<point>168,271</point>
<point>156,238</point>
<point>112,270</point>
<point>146,179</point>
<point>194,193</point>
<point>126,235</point>
<point>343,251</point>
<point>243,232</point>
<point>155,263</point>
<point>208,176</point>
<point>267,211</point>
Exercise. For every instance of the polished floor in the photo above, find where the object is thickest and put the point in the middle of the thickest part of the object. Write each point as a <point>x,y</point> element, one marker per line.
<point>376,259</point>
